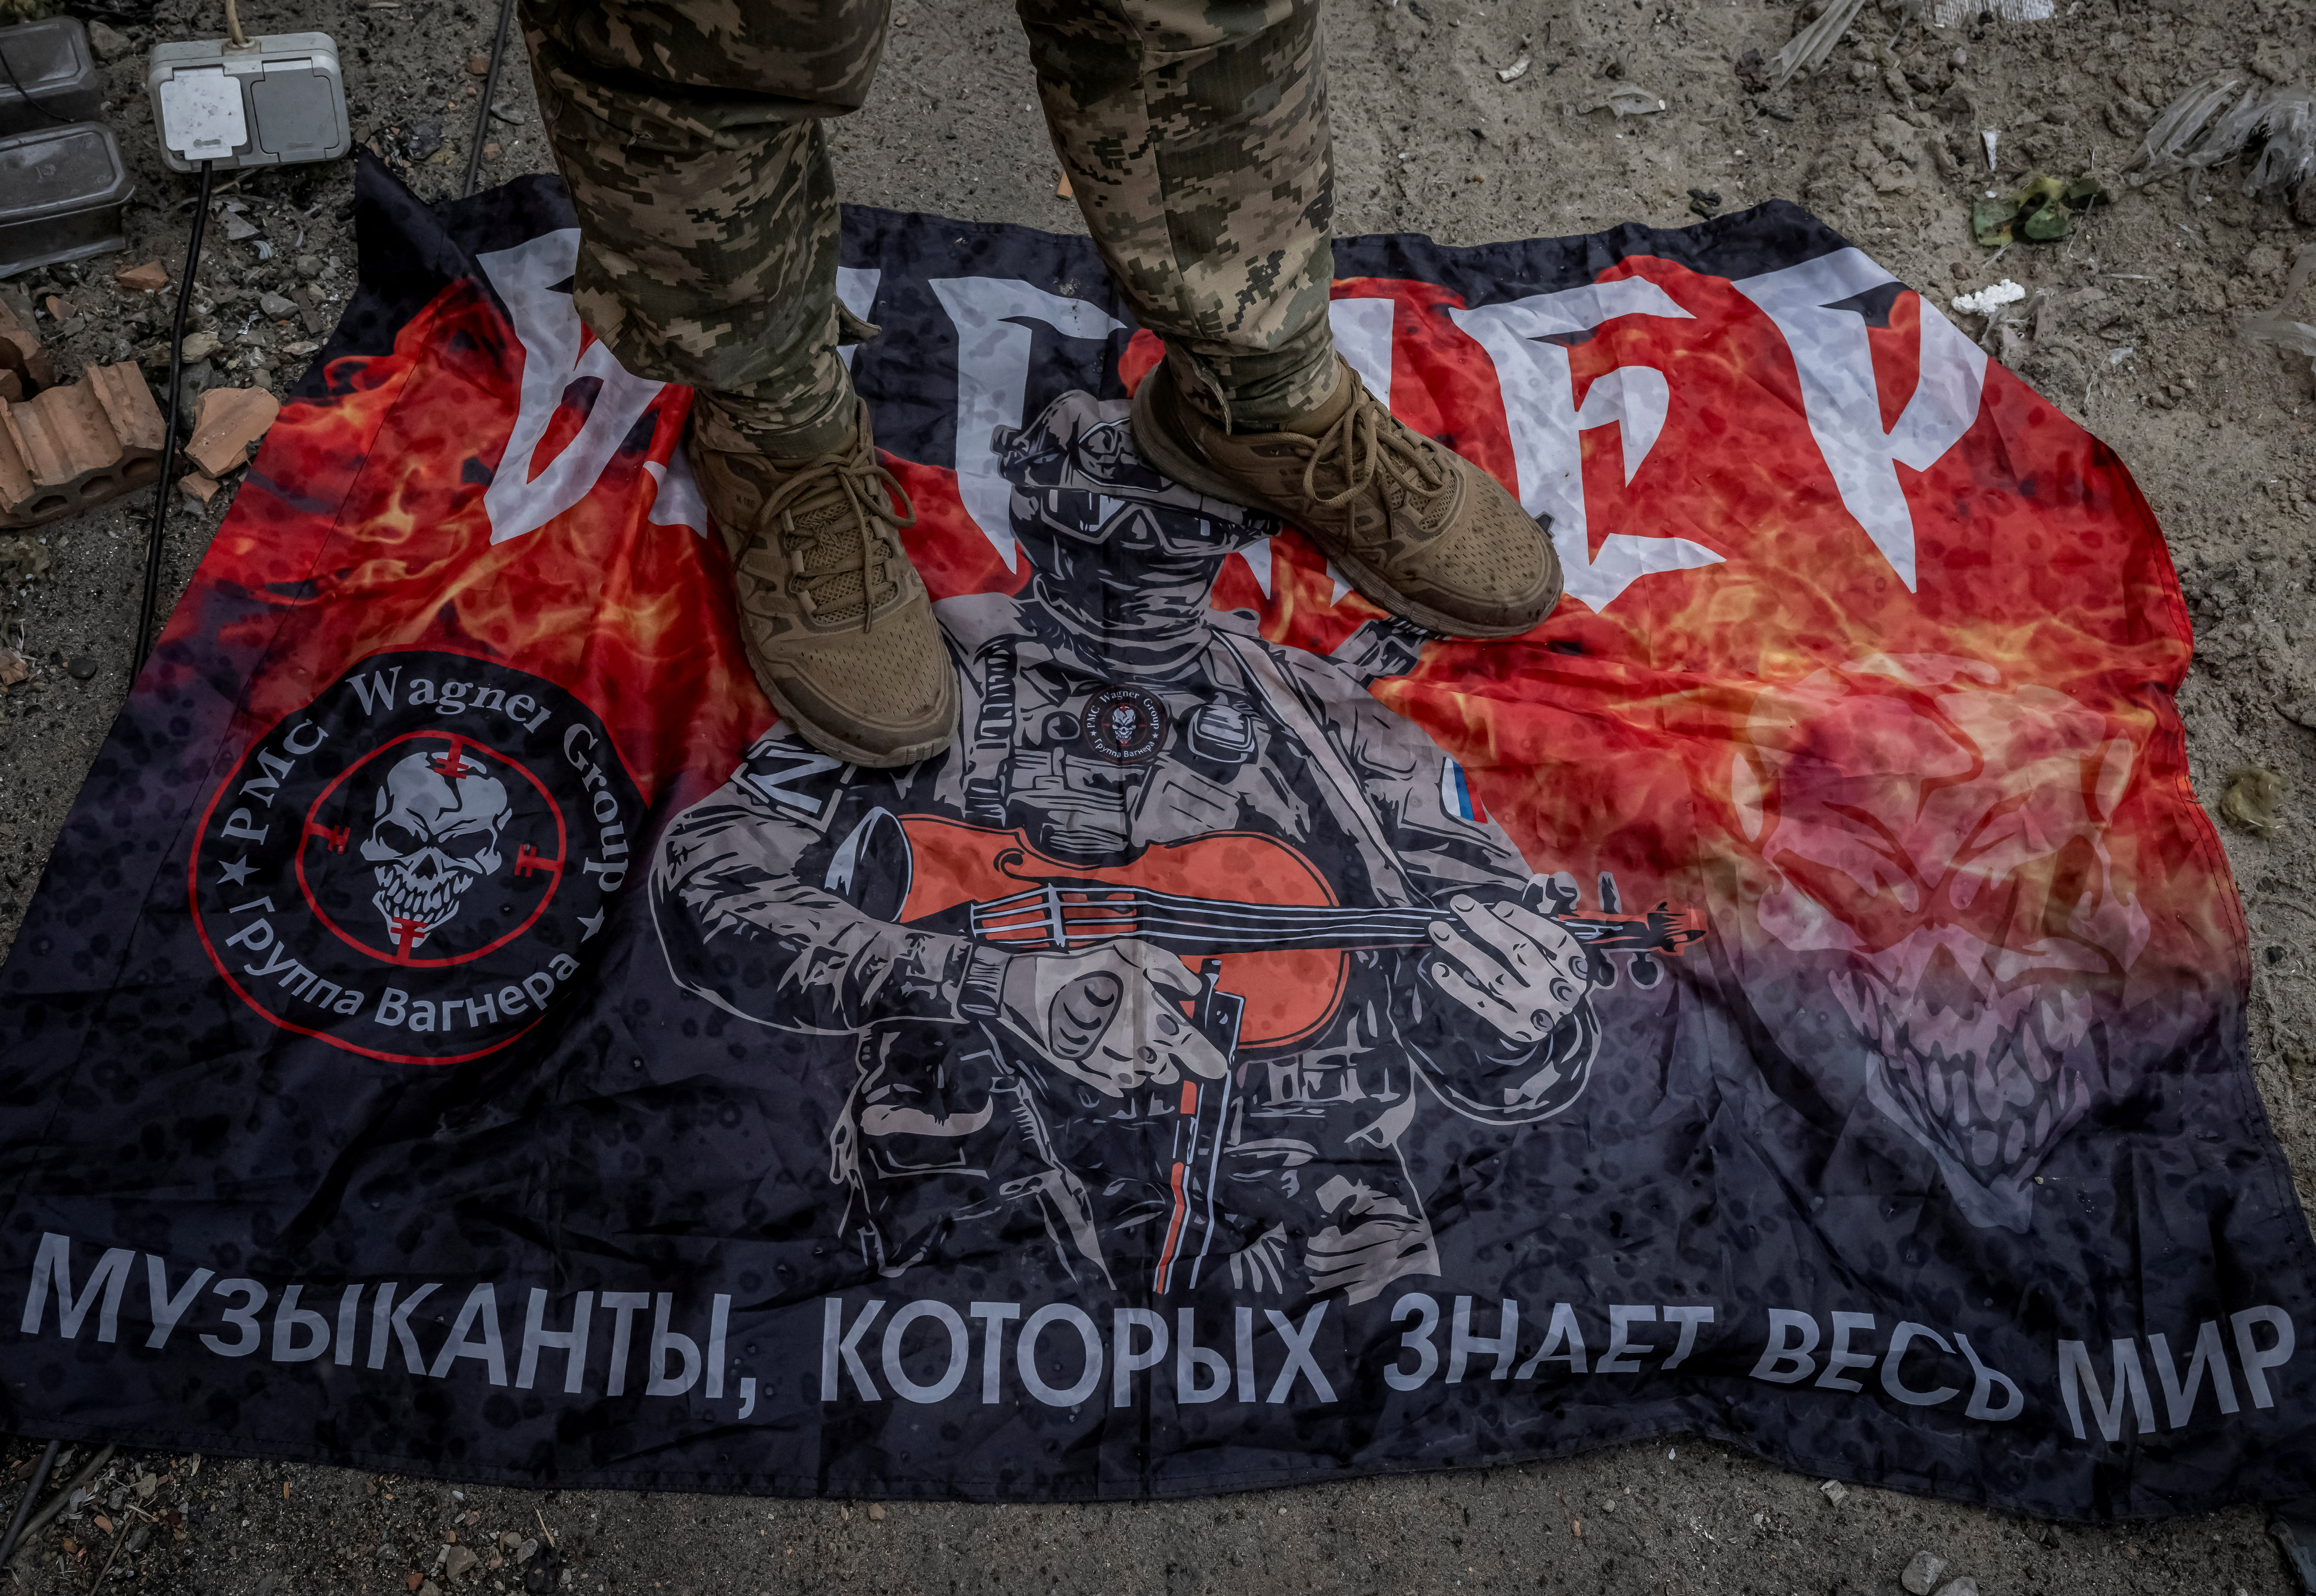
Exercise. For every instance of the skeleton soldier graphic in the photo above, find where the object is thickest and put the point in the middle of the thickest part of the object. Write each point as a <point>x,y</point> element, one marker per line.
<point>1156,967</point>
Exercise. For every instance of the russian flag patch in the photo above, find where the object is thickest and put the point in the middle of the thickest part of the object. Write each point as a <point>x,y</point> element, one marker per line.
<point>1456,797</point>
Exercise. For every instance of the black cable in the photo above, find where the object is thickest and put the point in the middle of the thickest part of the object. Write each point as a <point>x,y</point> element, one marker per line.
<point>169,443</point>
<point>490,93</point>
<point>25,1508</point>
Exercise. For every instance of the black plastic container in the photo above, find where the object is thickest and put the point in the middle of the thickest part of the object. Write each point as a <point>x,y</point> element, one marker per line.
<point>52,62</point>
<point>61,195</point>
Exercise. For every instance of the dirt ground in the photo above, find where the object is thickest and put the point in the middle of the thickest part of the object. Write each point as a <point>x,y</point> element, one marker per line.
<point>1886,143</point>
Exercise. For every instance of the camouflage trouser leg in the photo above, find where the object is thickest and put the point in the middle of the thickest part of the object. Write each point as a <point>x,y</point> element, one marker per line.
<point>1195,136</point>
<point>1194,133</point>
<point>689,137</point>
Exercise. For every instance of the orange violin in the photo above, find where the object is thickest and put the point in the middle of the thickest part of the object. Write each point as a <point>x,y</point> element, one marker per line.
<point>1250,903</point>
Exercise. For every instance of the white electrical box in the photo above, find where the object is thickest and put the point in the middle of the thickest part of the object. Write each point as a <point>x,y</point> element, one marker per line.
<point>280,99</point>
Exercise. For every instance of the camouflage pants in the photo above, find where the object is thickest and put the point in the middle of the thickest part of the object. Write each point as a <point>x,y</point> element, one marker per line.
<point>688,131</point>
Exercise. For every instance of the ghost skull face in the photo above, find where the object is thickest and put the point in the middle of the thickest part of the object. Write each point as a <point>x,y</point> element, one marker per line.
<point>438,817</point>
<point>1937,849</point>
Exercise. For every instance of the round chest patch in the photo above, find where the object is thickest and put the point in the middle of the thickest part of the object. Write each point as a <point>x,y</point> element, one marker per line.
<point>412,865</point>
<point>1125,724</point>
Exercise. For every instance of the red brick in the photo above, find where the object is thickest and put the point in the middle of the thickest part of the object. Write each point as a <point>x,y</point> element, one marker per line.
<point>70,449</point>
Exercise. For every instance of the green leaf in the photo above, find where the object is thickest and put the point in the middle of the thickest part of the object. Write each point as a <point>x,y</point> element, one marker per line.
<point>2050,222</point>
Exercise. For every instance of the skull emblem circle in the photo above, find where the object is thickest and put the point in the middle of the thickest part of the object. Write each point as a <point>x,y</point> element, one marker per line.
<point>1125,724</point>
<point>439,814</point>
<point>438,847</point>
<point>422,861</point>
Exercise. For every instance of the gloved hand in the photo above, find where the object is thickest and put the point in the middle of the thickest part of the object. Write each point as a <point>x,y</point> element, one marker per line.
<point>1511,966</point>
<point>1110,1016</point>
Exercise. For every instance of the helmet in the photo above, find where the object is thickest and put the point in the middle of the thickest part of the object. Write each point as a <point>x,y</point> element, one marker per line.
<point>1076,476</point>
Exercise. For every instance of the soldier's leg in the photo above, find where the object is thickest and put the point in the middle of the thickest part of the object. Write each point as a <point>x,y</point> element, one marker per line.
<point>1195,134</point>
<point>688,134</point>
<point>689,140</point>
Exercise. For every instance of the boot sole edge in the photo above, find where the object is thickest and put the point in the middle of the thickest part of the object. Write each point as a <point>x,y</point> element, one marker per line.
<point>828,742</point>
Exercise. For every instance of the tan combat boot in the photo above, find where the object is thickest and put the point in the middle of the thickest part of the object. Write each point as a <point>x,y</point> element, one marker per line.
<point>1410,523</point>
<point>836,621</point>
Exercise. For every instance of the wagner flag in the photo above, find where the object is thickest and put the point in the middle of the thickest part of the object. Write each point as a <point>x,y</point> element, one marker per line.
<point>1792,996</point>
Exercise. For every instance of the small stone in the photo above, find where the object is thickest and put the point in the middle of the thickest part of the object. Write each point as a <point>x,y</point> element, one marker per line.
<point>146,1484</point>
<point>876,1511</point>
<point>109,43</point>
<point>527,1550</point>
<point>81,667</point>
<point>1965,1586</point>
<point>387,1551</point>
<point>1835,1492</point>
<point>460,1559</point>
<point>1921,1575</point>
<point>199,346</point>
<point>479,64</point>
<point>148,278</point>
<point>275,307</point>
<point>308,267</point>
<point>491,151</point>
<point>423,141</point>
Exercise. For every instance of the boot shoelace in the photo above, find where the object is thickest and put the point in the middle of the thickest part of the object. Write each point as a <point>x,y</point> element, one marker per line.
<point>1363,440</point>
<point>866,490</point>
